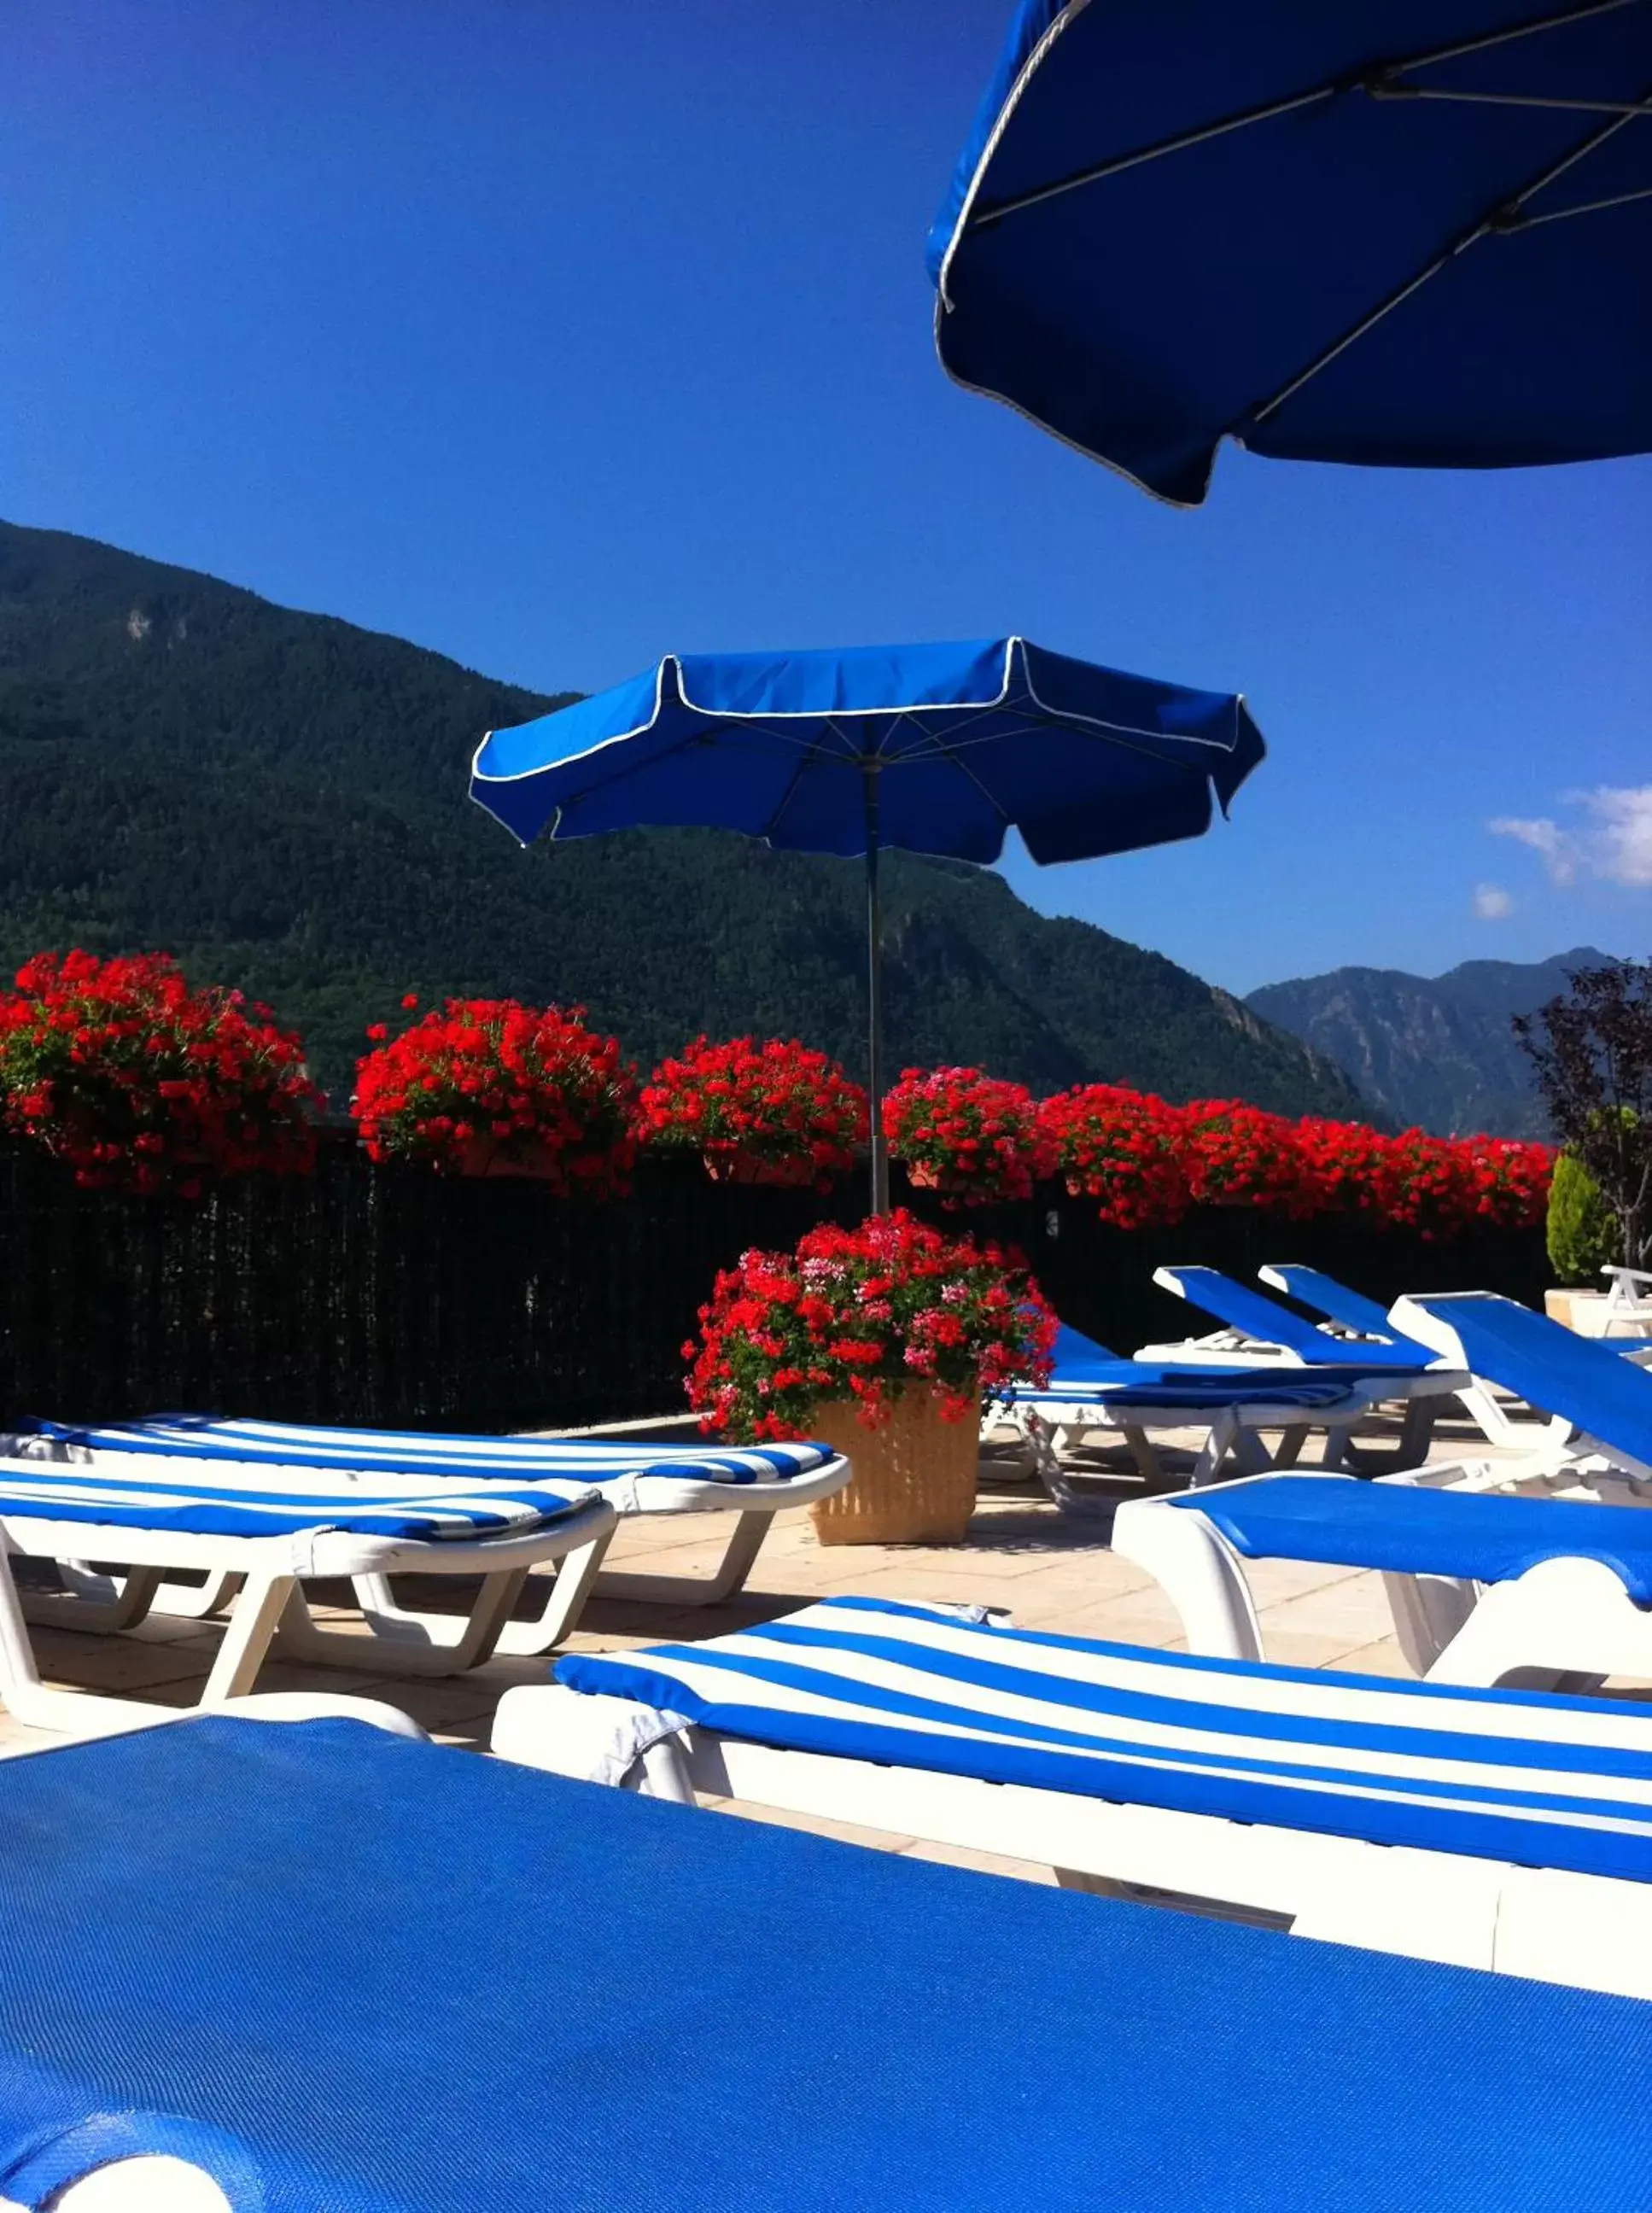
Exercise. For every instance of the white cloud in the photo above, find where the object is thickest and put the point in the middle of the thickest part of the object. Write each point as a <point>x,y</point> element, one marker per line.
<point>1611,842</point>
<point>1491,902</point>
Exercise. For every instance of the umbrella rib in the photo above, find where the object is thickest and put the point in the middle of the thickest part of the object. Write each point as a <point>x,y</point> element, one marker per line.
<point>1434,92</point>
<point>1505,217</point>
<point>810,751</point>
<point>1377,79</point>
<point>1584,207</point>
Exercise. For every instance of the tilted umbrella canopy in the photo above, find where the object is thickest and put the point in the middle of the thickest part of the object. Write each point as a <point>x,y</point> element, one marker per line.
<point>937,748</point>
<point>1410,233</point>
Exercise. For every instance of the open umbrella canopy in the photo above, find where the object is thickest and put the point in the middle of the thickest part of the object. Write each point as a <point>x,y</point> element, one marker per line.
<point>1410,233</point>
<point>937,748</point>
<point>950,745</point>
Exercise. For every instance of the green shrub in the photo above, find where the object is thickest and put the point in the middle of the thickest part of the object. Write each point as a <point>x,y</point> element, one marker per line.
<point>1582,1236</point>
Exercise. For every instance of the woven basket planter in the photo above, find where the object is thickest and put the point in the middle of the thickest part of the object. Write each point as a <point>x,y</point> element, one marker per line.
<point>914,1480</point>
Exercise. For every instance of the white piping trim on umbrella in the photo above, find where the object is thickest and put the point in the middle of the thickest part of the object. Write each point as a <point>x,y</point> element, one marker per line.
<point>1122,730</point>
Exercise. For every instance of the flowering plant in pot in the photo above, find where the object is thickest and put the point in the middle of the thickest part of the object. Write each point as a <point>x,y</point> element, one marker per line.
<point>974,1138</point>
<point>774,1112</point>
<point>883,1340</point>
<point>490,1087</point>
<point>1235,1154</point>
<point>1121,1148</point>
<point>145,1083</point>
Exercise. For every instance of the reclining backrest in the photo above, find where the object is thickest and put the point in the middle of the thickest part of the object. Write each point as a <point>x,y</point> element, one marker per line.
<point>1553,1370</point>
<point>1311,1287</point>
<point>1269,1323</point>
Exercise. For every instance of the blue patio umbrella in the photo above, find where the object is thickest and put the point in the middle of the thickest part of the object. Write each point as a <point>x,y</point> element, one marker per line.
<point>1410,233</point>
<point>940,749</point>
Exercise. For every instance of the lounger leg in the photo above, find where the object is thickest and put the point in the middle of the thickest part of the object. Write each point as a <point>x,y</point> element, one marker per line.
<point>404,1643</point>
<point>1227,1434</point>
<point>1416,1435</point>
<point>1199,1572</point>
<point>253,1622</point>
<point>577,1578</point>
<point>100,1604</point>
<point>37,1705</point>
<point>1561,1619</point>
<point>1429,1611</point>
<point>745,1543</point>
<point>190,1601</point>
<point>1047,1445</point>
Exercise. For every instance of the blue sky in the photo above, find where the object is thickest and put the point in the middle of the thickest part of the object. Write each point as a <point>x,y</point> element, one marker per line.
<point>556,338</point>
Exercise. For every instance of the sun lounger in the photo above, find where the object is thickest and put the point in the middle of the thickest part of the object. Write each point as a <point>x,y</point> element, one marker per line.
<point>1092,1388</point>
<point>635,1478</point>
<point>328,1969</point>
<point>1605,1398</point>
<point>1484,1588</point>
<point>275,1527</point>
<point>1410,1373</point>
<point>1493,1412</point>
<point>1508,1831</point>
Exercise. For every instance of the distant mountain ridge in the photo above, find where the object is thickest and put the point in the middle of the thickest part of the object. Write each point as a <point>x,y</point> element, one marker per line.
<point>1438,1051</point>
<point>280,798</point>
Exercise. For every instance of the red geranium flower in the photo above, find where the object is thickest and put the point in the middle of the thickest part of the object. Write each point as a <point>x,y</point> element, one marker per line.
<point>778,1102</point>
<point>973,1137</point>
<point>489,1081</point>
<point>145,1084</point>
<point>1122,1148</point>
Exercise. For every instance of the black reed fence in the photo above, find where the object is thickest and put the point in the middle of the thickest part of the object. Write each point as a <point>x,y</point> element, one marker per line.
<point>387,1295</point>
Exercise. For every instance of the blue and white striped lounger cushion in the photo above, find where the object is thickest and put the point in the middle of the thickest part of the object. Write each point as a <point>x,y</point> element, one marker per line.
<point>1407,1529</point>
<point>396,1452</point>
<point>241,1501</point>
<point>1547,1782</point>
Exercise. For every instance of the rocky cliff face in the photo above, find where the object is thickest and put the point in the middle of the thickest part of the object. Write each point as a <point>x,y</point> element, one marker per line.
<point>1438,1051</point>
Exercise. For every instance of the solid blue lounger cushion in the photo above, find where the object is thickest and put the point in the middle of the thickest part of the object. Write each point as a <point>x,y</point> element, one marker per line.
<point>1264,1319</point>
<point>197,1506</point>
<point>1345,1755</point>
<point>353,1974</point>
<point>1085,1372</point>
<point>1587,1381</point>
<point>409,1452</point>
<point>1412,1530</point>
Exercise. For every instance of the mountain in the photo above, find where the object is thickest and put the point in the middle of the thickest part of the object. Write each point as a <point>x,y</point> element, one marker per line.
<point>1434,1051</point>
<point>280,798</point>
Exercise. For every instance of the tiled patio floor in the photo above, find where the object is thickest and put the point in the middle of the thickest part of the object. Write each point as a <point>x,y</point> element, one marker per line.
<point>1050,1572</point>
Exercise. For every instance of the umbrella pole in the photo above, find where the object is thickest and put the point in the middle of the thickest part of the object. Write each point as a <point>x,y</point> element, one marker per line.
<point>874,994</point>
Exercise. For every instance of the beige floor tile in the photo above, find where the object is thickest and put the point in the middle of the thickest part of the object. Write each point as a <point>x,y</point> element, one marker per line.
<point>1359,1606</point>
<point>960,1856</point>
<point>1383,1657</point>
<point>843,1832</point>
<point>116,1664</point>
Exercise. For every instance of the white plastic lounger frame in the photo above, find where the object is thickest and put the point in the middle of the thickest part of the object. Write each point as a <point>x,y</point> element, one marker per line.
<point>1591,1931</point>
<point>1052,1425</point>
<point>124,1599</point>
<point>753,1504</point>
<point>270,1602</point>
<point>1564,1624</point>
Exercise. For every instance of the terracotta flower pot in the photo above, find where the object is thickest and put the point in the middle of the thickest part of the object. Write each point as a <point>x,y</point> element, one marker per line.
<point>914,1480</point>
<point>792,1172</point>
<point>923,1175</point>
